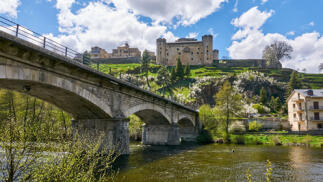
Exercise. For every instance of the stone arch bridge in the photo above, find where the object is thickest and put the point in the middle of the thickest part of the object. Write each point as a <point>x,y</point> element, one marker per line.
<point>96,101</point>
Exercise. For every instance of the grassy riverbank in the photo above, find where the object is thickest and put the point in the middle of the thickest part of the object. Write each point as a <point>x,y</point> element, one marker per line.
<point>263,139</point>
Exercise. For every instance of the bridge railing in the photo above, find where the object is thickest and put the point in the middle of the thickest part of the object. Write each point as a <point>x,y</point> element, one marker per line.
<point>22,32</point>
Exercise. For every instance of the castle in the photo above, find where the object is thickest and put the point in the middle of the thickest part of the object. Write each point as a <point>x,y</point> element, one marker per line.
<point>195,52</point>
<point>189,51</point>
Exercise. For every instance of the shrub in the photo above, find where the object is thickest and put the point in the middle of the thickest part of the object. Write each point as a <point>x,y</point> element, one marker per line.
<point>240,140</point>
<point>255,126</point>
<point>260,108</point>
<point>204,137</point>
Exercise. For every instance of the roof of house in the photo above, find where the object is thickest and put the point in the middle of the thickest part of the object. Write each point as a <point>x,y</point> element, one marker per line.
<point>316,92</point>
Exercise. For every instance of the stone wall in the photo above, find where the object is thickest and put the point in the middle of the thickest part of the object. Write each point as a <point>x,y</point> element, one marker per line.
<point>259,63</point>
<point>127,60</point>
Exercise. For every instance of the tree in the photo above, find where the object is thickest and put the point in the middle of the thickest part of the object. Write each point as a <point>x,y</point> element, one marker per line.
<point>145,65</point>
<point>173,75</point>
<point>263,96</point>
<point>294,83</point>
<point>187,70</point>
<point>229,103</point>
<point>179,69</point>
<point>163,77</point>
<point>276,51</point>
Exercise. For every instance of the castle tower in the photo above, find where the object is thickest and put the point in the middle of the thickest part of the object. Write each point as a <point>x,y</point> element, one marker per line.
<point>161,51</point>
<point>215,54</point>
<point>207,41</point>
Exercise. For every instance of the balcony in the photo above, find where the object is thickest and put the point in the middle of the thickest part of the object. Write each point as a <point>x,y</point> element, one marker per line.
<point>316,119</point>
<point>298,110</point>
<point>320,108</point>
<point>297,100</point>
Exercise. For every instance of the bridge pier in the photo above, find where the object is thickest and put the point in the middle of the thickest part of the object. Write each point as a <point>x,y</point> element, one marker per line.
<point>160,135</point>
<point>115,132</point>
<point>188,134</point>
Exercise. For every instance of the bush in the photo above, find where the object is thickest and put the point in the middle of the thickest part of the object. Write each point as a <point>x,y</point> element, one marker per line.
<point>260,108</point>
<point>240,140</point>
<point>255,126</point>
<point>204,137</point>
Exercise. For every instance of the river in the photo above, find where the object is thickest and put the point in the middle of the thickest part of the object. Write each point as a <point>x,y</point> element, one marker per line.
<point>219,162</point>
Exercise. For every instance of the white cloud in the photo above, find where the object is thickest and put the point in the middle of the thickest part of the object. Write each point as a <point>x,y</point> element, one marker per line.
<point>263,1</point>
<point>291,33</point>
<point>250,21</point>
<point>9,7</point>
<point>192,35</point>
<point>183,12</point>
<point>249,42</point>
<point>311,23</point>
<point>100,24</point>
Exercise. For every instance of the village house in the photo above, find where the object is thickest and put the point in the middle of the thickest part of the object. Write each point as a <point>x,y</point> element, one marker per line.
<point>305,110</point>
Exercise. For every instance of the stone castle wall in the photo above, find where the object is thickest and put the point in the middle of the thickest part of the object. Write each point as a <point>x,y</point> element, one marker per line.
<point>189,51</point>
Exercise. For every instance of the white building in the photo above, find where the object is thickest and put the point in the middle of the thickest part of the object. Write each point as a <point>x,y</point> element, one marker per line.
<point>305,110</point>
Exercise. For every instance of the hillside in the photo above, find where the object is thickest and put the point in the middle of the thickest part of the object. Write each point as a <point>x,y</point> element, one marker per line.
<point>206,78</point>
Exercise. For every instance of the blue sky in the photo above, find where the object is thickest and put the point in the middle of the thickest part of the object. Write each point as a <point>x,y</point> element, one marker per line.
<point>241,28</point>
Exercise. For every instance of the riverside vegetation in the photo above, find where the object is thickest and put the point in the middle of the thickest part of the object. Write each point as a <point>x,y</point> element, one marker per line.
<point>36,144</point>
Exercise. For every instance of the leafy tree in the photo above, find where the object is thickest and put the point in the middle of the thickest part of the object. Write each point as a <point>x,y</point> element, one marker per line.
<point>163,77</point>
<point>173,75</point>
<point>294,83</point>
<point>229,103</point>
<point>145,65</point>
<point>207,117</point>
<point>263,96</point>
<point>276,51</point>
<point>275,104</point>
<point>187,70</point>
<point>179,69</point>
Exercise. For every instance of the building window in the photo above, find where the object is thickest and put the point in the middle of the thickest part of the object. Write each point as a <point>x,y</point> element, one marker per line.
<point>179,53</point>
<point>177,49</point>
<point>167,54</point>
<point>316,116</point>
<point>192,53</point>
<point>160,52</point>
<point>197,52</point>
<point>300,105</point>
<point>207,50</point>
<point>316,105</point>
<point>319,126</point>
<point>294,115</point>
<point>294,105</point>
<point>192,59</point>
<point>300,116</point>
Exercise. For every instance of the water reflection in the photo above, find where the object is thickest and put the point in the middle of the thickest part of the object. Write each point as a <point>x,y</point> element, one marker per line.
<point>219,163</point>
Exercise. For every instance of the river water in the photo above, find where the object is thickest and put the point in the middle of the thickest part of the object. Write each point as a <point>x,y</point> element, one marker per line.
<point>219,162</point>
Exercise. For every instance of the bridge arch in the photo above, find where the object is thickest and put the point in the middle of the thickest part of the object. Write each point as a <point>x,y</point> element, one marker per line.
<point>149,113</point>
<point>185,120</point>
<point>65,94</point>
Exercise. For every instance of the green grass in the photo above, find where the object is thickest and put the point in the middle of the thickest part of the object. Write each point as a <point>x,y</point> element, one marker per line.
<point>256,139</point>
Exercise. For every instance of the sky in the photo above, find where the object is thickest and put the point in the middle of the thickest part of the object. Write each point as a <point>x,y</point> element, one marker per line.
<point>241,28</point>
